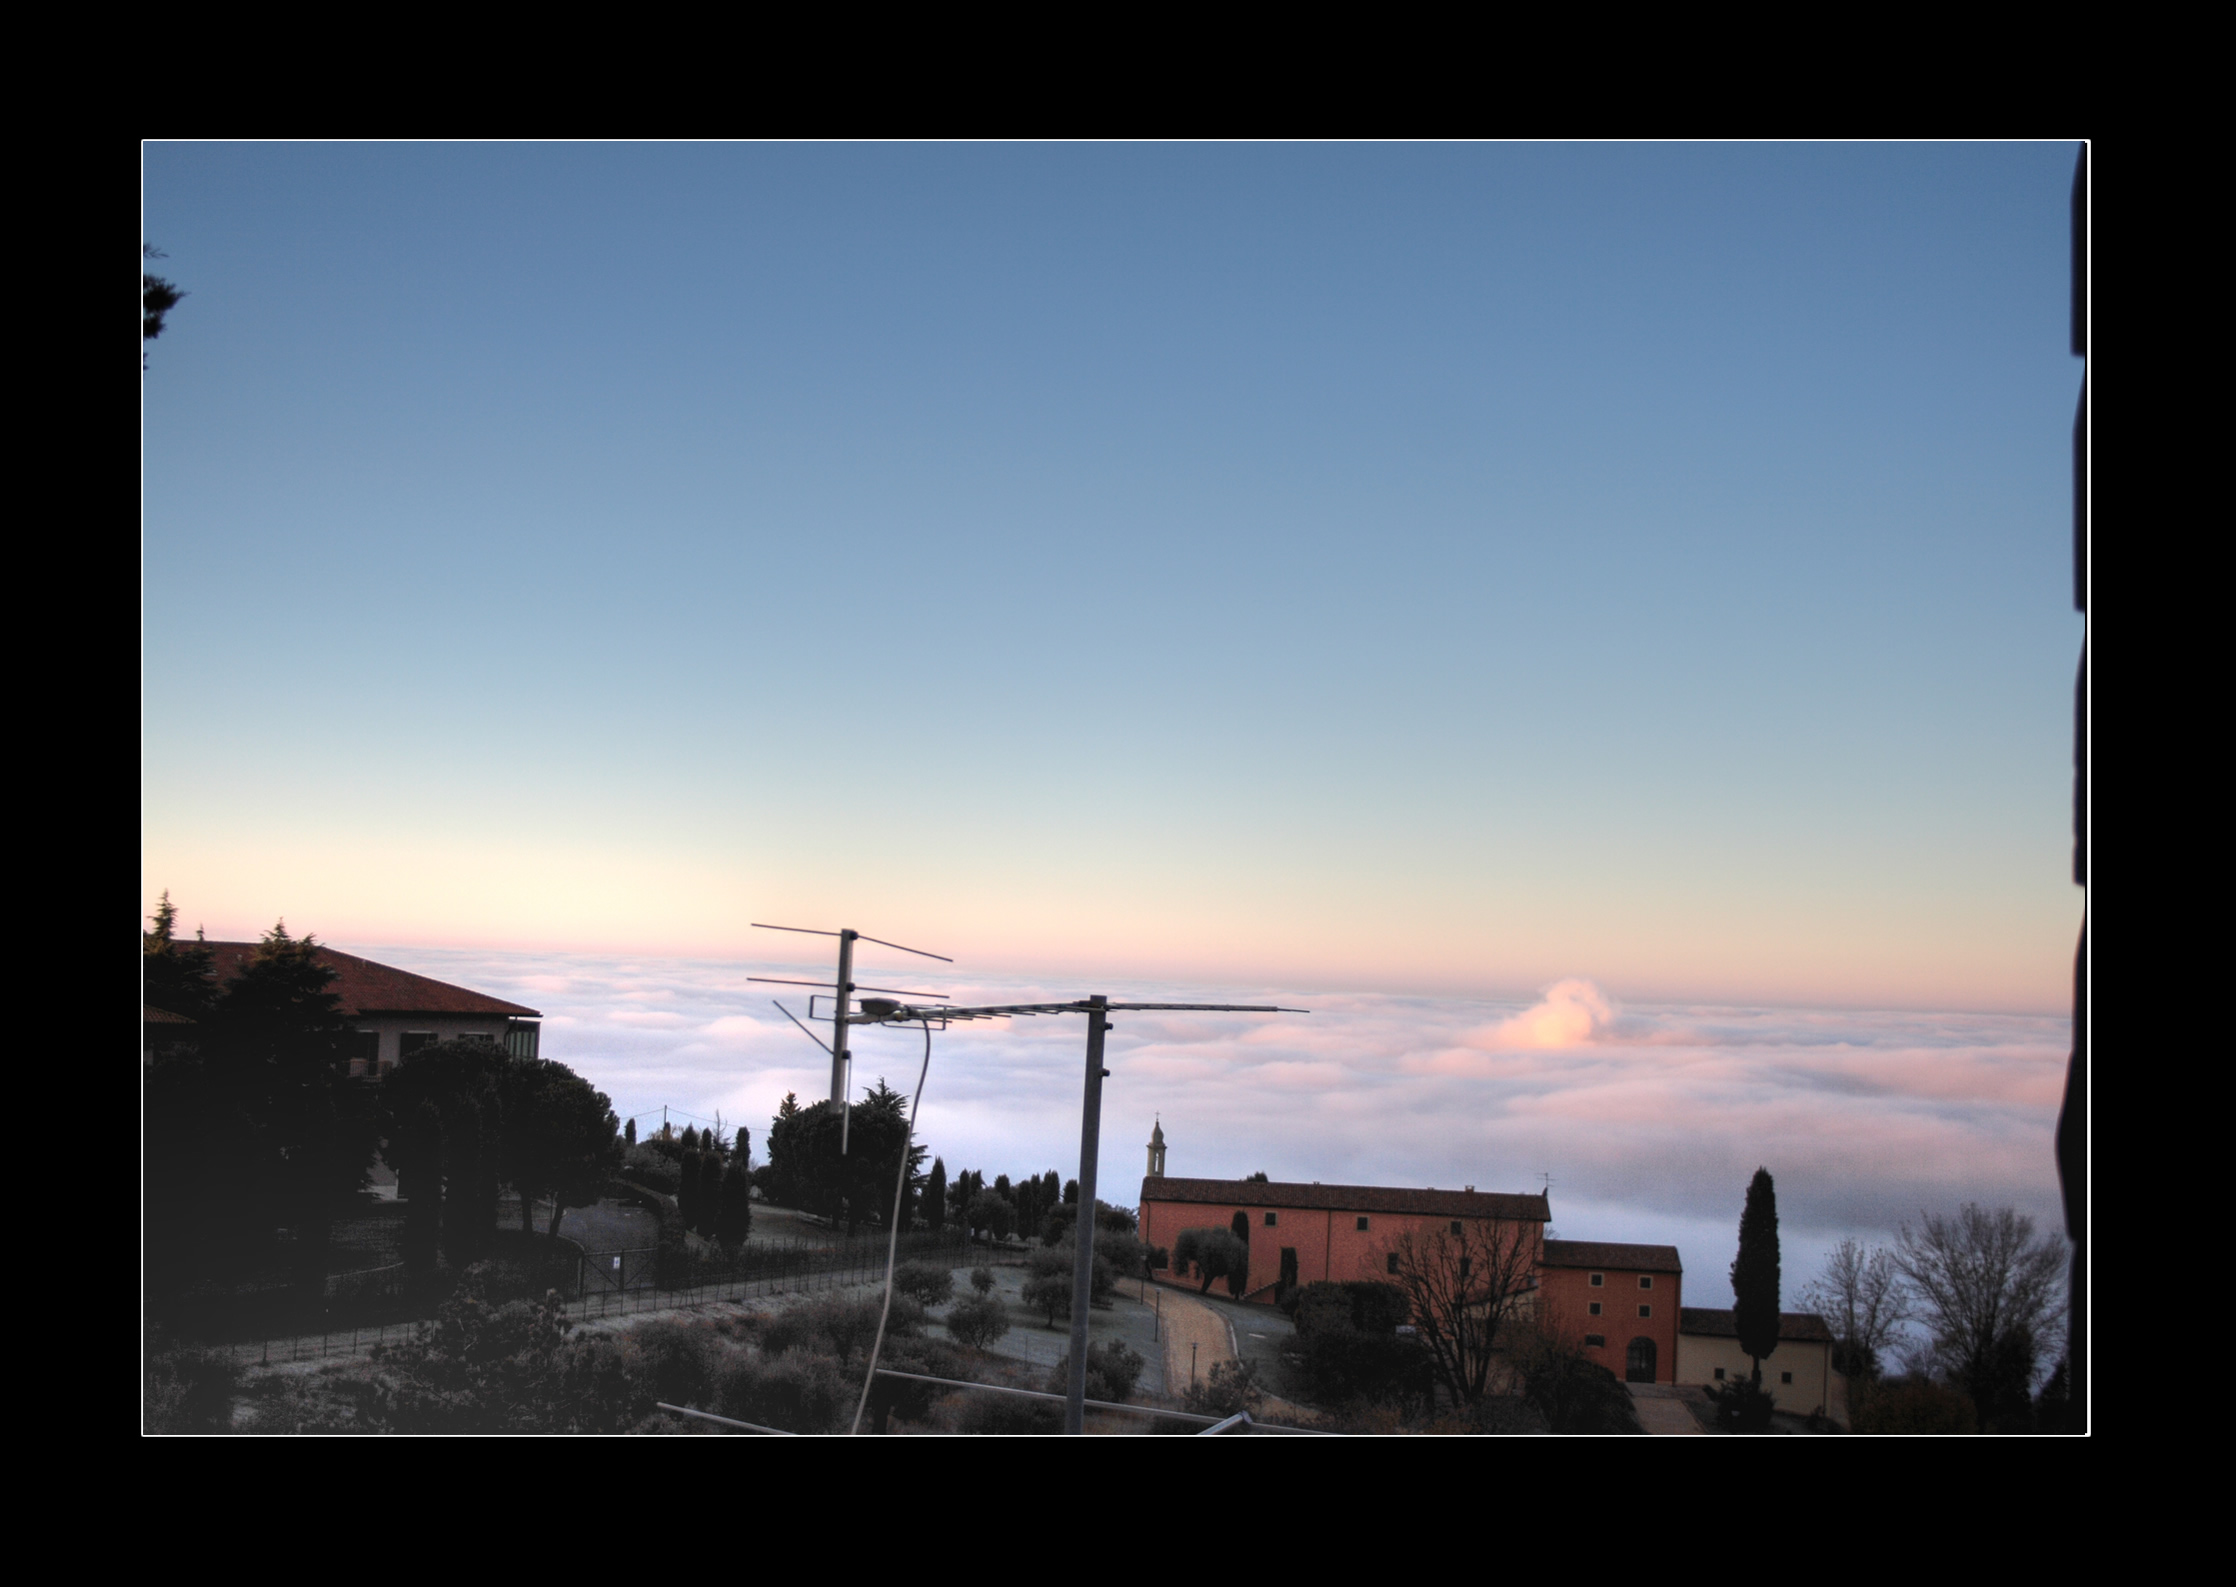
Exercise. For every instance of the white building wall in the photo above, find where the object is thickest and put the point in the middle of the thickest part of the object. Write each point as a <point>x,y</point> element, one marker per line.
<point>1815,1386</point>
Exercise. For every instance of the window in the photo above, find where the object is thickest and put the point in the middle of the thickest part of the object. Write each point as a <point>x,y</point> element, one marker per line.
<point>1362,1221</point>
<point>1591,1341</point>
<point>1719,1370</point>
<point>1645,1280</point>
<point>1643,1311</point>
<point>1455,1226</point>
<point>1393,1258</point>
<point>1594,1306</point>
<point>1467,1263</point>
<point>1272,1218</point>
<point>1783,1377</point>
<point>1597,1278</point>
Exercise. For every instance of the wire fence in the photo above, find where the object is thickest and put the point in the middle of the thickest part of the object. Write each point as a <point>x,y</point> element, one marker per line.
<point>627,1283</point>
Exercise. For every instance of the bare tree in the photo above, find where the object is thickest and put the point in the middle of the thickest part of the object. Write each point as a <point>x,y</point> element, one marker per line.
<point>1861,1295</point>
<point>1464,1285</point>
<point>1990,1291</point>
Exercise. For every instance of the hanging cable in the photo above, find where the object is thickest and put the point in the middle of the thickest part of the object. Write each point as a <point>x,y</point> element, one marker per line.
<point>893,1243</point>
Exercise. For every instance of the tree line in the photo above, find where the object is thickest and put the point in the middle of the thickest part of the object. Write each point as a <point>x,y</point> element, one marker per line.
<point>257,1139</point>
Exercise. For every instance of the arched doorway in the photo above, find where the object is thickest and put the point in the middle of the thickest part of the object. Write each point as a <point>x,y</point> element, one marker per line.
<point>1638,1363</point>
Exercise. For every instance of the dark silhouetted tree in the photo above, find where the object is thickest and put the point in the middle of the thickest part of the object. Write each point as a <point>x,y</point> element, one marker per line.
<point>629,1133</point>
<point>735,1223</point>
<point>559,1136</point>
<point>1861,1295</point>
<point>1463,1290</point>
<point>174,975</point>
<point>1214,1253</point>
<point>1754,1272</point>
<point>1990,1292</point>
<point>157,298</point>
<point>935,1197</point>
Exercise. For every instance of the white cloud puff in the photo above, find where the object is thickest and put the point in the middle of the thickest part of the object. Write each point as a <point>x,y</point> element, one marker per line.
<point>1571,1013</point>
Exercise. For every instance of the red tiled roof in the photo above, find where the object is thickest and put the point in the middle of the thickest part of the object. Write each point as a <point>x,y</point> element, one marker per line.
<point>1347,1198</point>
<point>1605,1253</point>
<point>1802,1327</point>
<point>368,988</point>
<point>150,1015</point>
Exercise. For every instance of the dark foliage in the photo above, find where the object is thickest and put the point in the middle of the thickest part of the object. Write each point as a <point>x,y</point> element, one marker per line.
<point>934,1200</point>
<point>1212,1254</point>
<point>926,1283</point>
<point>1743,1405</point>
<point>1231,1386</point>
<point>1348,1349</point>
<point>734,1223</point>
<point>854,1186</point>
<point>1010,1414</point>
<point>977,1320</point>
<point>253,1128</point>
<point>1112,1372</point>
<point>1912,1405</point>
<point>189,1389</point>
<point>1754,1272</point>
<point>157,298</point>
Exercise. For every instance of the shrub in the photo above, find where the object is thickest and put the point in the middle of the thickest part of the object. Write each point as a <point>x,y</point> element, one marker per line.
<point>1579,1396</point>
<point>926,1283</point>
<point>1008,1414</point>
<point>982,1280</point>
<point>838,1328</point>
<point>1231,1386</point>
<point>648,1164</point>
<point>977,1321</point>
<point>670,1360</point>
<point>799,1392</point>
<point>906,1398</point>
<point>1912,1405</point>
<point>190,1390</point>
<point>1743,1406</point>
<point>1112,1371</point>
<point>592,1389</point>
<point>474,1368</point>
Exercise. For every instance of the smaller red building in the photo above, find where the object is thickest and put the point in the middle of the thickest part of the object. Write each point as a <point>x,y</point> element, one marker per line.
<point>1623,1303</point>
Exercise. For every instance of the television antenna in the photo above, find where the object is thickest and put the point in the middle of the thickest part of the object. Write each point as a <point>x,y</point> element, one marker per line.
<point>844,990</point>
<point>1098,1009</point>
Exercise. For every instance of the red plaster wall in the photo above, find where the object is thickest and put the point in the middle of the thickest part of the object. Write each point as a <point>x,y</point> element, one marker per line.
<point>1329,1245</point>
<point>1567,1294</point>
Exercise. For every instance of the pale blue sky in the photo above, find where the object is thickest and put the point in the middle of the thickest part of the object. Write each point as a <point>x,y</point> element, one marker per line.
<point>1395,566</point>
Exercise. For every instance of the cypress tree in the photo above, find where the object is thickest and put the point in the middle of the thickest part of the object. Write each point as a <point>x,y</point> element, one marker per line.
<point>629,1134</point>
<point>734,1223</point>
<point>935,1197</point>
<point>690,1139</point>
<point>1754,1272</point>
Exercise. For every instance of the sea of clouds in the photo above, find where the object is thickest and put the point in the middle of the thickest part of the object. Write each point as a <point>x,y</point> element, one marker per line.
<point>1647,1118</point>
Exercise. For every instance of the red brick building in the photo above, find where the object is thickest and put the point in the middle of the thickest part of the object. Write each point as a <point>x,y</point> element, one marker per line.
<point>1300,1234</point>
<point>1623,1303</point>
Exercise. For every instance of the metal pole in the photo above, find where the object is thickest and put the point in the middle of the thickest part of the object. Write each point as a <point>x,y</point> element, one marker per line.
<point>1083,1227</point>
<point>838,1015</point>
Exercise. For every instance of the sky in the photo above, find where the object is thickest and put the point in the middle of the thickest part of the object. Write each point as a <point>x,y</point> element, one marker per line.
<point>1423,575</point>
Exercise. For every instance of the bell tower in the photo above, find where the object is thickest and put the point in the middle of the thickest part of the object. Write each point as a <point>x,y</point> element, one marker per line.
<point>1157,1151</point>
